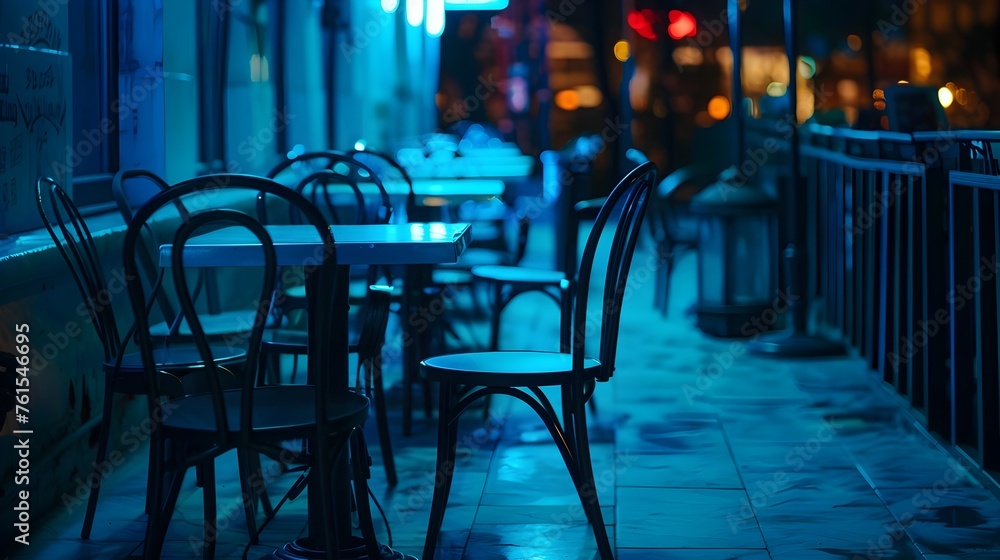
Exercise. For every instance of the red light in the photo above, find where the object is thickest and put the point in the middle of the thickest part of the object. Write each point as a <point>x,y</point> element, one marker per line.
<point>682,24</point>
<point>642,23</point>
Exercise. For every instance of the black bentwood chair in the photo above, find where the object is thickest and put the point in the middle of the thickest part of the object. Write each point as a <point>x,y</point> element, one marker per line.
<point>123,373</point>
<point>131,188</point>
<point>249,419</point>
<point>465,378</point>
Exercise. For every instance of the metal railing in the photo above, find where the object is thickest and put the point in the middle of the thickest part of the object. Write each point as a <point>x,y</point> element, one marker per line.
<point>974,223</point>
<point>898,227</point>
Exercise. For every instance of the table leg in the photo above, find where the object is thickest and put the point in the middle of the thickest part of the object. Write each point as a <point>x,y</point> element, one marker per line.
<point>313,545</point>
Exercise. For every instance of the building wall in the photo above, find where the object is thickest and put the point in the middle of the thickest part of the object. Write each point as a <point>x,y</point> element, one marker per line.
<point>158,129</point>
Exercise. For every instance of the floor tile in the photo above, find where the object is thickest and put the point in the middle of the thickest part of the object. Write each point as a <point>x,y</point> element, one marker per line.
<point>683,518</point>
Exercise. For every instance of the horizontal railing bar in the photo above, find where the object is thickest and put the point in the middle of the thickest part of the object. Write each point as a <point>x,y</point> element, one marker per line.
<point>961,135</point>
<point>860,135</point>
<point>974,180</point>
<point>911,168</point>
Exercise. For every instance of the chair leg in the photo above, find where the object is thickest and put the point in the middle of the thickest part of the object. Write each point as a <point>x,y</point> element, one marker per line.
<point>211,531</point>
<point>428,400</point>
<point>407,403</point>
<point>498,307</point>
<point>249,494</point>
<point>102,455</point>
<point>664,287</point>
<point>359,461</point>
<point>382,422</point>
<point>659,282</point>
<point>445,469</point>
<point>569,418</point>
<point>495,317</point>
<point>260,490</point>
<point>162,506</point>
<point>587,486</point>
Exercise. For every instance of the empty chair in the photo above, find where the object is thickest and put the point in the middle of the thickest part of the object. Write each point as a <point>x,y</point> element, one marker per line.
<point>131,188</point>
<point>673,227</point>
<point>248,419</point>
<point>123,372</point>
<point>465,378</point>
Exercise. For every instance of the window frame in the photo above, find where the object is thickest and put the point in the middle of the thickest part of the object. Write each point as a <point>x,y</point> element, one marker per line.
<point>92,192</point>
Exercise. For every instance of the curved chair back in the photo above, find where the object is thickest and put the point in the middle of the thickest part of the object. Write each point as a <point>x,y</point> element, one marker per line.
<point>337,161</point>
<point>627,202</point>
<point>321,158</point>
<point>674,222</point>
<point>319,188</point>
<point>131,188</point>
<point>381,163</point>
<point>76,245</point>
<point>320,276</point>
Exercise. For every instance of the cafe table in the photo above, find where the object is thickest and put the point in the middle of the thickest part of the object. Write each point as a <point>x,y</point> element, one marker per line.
<point>389,244</point>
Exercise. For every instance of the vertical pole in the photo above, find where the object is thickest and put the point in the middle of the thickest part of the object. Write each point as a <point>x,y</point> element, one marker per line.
<point>796,198</point>
<point>736,44</point>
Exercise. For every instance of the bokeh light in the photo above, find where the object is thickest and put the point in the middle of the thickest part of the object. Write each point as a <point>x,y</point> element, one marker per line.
<point>719,107</point>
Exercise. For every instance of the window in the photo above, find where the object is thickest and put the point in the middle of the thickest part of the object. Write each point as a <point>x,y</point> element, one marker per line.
<point>254,127</point>
<point>94,148</point>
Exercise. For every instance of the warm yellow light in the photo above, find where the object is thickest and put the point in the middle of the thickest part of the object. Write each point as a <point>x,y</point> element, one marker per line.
<point>921,63</point>
<point>962,96</point>
<point>638,90</point>
<point>807,67</point>
<point>946,97</point>
<point>776,89</point>
<point>848,90</point>
<point>903,82</point>
<point>589,96</point>
<point>568,100</point>
<point>688,56</point>
<point>435,201</point>
<point>719,107</point>
<point>854,42</point>
<point>622,50</point>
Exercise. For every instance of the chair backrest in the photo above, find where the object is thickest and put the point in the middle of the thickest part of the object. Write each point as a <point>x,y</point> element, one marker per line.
<point>320,276</point>
<point>374,321</point>
<point>76,245</point>
<point>319,160</point>
<point>383,165</point>
<point>320,188</point>
<point>627,204</point>
<point>131,188</point>
<point>673,221</point>
<point>342,164</point>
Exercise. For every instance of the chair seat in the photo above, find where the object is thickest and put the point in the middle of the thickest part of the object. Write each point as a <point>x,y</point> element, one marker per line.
<point>505,368</point>
<point>450,277</point>
<point>518,275</point>
<point>214,324</point>
<point>279,412</point>
<point>295,341</point>
<point>176,359</point>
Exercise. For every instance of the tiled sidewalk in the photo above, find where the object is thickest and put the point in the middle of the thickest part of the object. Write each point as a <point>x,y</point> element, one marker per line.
<point>750,459</point>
